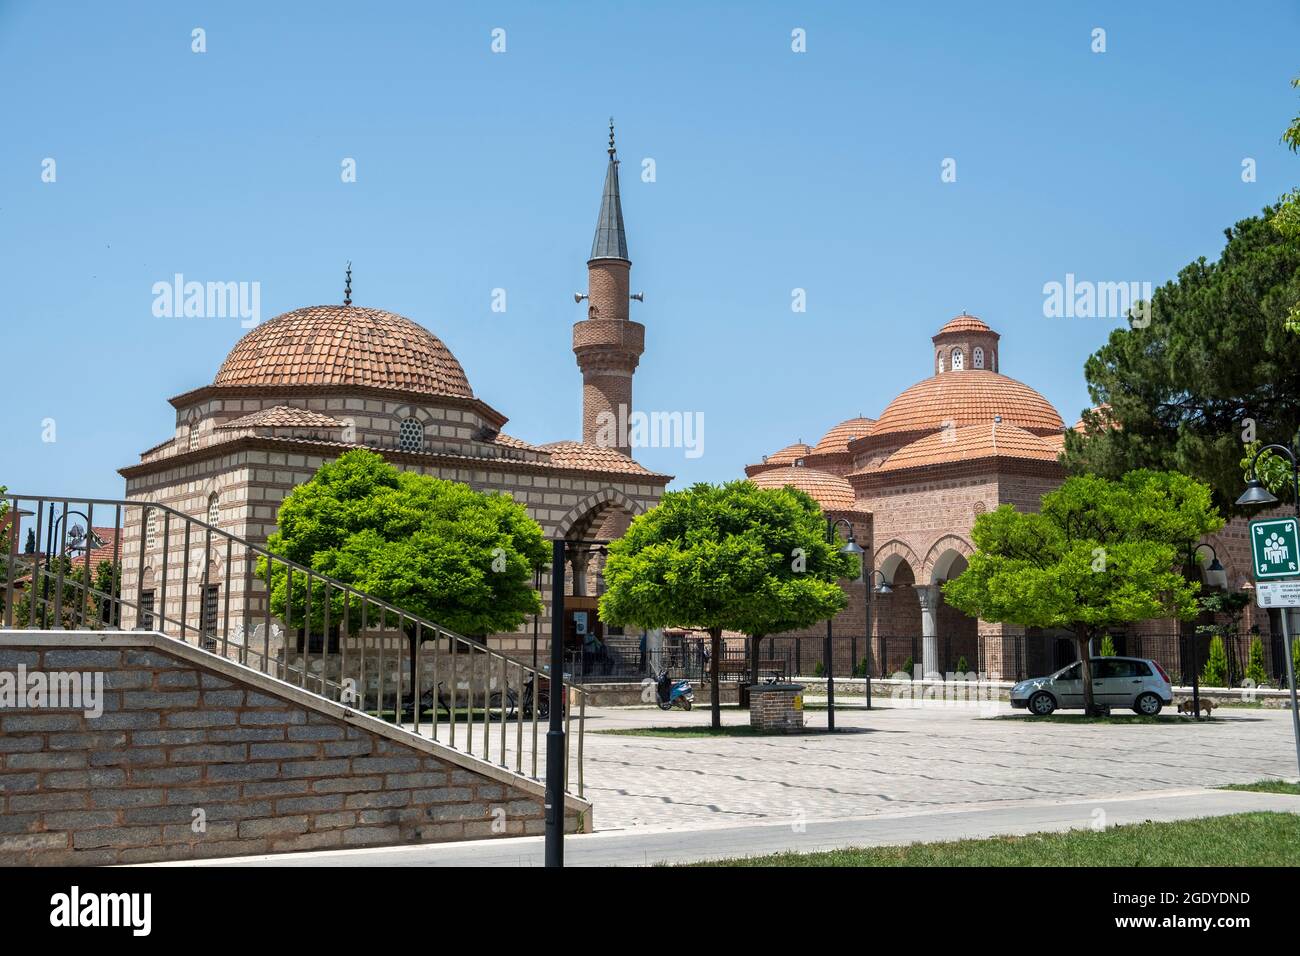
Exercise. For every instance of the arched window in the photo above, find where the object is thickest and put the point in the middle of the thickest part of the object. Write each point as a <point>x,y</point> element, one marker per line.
<point>410,435</point>
<point>151,529</point>
<point>977,358</point>
<point>194,435</point>
<point>941,362</point>
<point>957,360</point>
<point>214,510</point>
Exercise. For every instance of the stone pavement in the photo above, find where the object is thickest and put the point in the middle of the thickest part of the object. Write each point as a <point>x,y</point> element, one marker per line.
<point>644,846</point>
<point>936,756</point>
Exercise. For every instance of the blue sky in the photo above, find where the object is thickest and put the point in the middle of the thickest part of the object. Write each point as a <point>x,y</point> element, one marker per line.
<point>477,171</point>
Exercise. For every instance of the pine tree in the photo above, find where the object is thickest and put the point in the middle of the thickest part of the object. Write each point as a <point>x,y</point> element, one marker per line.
<point>1216,666</point>
<point>1107,646</point>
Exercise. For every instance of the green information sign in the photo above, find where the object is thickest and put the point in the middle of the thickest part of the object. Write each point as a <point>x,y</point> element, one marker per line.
<point>1276,546</point>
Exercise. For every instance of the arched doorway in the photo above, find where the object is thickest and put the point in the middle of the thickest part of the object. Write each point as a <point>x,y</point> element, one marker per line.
<point>896,617</point>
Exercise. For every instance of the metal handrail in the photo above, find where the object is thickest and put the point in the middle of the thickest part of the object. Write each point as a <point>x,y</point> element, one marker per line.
<point>504,699</point>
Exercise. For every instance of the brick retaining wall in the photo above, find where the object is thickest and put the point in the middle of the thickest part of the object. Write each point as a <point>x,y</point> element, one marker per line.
<point>186,737</point>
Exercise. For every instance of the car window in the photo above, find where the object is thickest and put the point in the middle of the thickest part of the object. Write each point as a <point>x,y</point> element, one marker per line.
<point>1141,668</point>
<point>1122,669</point>
<point>1103,668</point>
<point>1070,673</point>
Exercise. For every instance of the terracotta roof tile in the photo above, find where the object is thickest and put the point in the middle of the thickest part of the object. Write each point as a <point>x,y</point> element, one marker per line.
<point>972,442</point>
<point>284,416</point>
<point>344,345</point>
<point>575,454</point>
<point>966,323</point>
<point>787,455</point>
<point>971,397</point>
<point>838,438</point>
<point>832,492</point>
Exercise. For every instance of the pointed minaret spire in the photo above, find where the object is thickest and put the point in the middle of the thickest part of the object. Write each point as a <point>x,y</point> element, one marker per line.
<point>611,240</point>
<point>347,286</point>
<point>608,343</point>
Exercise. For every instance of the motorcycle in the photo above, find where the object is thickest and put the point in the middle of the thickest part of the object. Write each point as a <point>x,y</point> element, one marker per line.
<point>670,694</point>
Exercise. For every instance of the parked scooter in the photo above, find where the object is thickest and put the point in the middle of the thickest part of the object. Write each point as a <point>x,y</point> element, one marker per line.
<point>670,694</point>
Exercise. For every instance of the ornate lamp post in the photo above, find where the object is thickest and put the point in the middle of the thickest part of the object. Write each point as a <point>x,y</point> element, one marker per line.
<point>850,547</point>
<point>881,588</point>
<point>1214,575</point>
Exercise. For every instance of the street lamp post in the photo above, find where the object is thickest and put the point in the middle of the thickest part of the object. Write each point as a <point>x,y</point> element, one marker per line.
<point>1214,568</point>
<point>850,547</point>
<point>881,588</point>
<point>1257,494</point>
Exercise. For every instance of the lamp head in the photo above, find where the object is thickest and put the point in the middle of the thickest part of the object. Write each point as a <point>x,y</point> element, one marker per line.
<point>1256,494</point>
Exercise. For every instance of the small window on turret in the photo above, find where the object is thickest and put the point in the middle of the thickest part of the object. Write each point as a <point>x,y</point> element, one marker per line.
<point>977,358</point>
<point>410,435</point>
<point>941,363</point>
<point>958,360</point>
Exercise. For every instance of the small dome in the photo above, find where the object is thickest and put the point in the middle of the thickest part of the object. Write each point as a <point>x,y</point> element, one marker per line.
<point>837,439</point>
<point>787,455</point>
<point>973,397</point>
<point>832,492</point>
<point>966,323</point>
<point>344,345</point>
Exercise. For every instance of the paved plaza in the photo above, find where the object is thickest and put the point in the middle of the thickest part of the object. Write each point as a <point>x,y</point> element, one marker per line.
<point>892,759</point>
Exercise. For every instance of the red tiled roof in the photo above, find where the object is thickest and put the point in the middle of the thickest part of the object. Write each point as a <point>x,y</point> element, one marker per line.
<point>107,535</point>
<point>838,438</point>
<point>787,455</point>
<point>966,323</point>
<point>971,397</point>
<point>972,442</point>
<point>1103,412</point>
<point>575,454</point>
<point>832,492</point>
<point>344,345</point>
<point>284,416</point>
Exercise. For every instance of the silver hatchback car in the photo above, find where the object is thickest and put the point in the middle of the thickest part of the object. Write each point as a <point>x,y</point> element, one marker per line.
<point>1133,682</point>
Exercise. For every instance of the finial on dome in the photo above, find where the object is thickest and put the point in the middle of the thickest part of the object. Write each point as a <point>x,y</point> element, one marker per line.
<point>347,286</point>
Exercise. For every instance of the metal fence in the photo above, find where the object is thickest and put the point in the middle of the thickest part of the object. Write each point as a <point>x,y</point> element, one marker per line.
<point>155,568</point>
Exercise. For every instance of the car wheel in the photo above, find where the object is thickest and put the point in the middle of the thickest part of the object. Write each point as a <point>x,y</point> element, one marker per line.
<point>1147,705</point>
<point>1042,704</point>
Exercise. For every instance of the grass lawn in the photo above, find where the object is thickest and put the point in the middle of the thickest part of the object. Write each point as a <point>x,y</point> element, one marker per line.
<point>1242,839</point>
<point>1265,786</point>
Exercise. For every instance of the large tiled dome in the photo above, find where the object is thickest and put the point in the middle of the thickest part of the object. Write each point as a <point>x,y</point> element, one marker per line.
<point>344,345</point>
<point>968,398</point>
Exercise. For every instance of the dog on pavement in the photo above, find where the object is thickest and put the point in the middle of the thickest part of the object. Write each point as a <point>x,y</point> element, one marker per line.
<point>1187,706</point>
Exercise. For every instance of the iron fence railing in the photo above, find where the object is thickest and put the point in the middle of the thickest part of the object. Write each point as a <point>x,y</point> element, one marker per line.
<point>156,568</point>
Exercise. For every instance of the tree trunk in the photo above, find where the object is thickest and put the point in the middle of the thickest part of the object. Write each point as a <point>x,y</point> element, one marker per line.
<point>715,652</point>
<point>754,639</point>
<point>1082,641</point>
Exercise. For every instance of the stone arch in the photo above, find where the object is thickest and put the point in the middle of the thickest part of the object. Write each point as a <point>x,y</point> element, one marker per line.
<point>941,557</point>
<point>894,553</point>
<point>418,412</point>
<point>587,513</point>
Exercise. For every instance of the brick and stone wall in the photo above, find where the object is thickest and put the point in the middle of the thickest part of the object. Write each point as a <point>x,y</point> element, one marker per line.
<point>194,756</point>
<point>776,708</point>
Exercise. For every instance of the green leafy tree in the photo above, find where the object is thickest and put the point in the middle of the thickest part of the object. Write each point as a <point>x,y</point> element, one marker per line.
<point>1255,671</point>
<point>1215,673</point>
<point>433,548</point>
<point>1098,554</point>
<point>1215,353</point>
<point>1287,218</point>
<point>726,557</point>
<point>1107,646</point>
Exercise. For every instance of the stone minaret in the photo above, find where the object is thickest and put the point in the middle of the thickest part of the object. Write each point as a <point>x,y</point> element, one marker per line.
<point>607,342</point>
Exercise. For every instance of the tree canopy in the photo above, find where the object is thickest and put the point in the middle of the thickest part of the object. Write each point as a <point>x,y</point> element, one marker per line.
<point>437,549</point>
<point>726,557</point>
<point>1100,553</point>
<point>1215,361</point>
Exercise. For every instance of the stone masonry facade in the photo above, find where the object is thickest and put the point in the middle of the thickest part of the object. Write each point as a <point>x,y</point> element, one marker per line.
<point>195,757</point>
